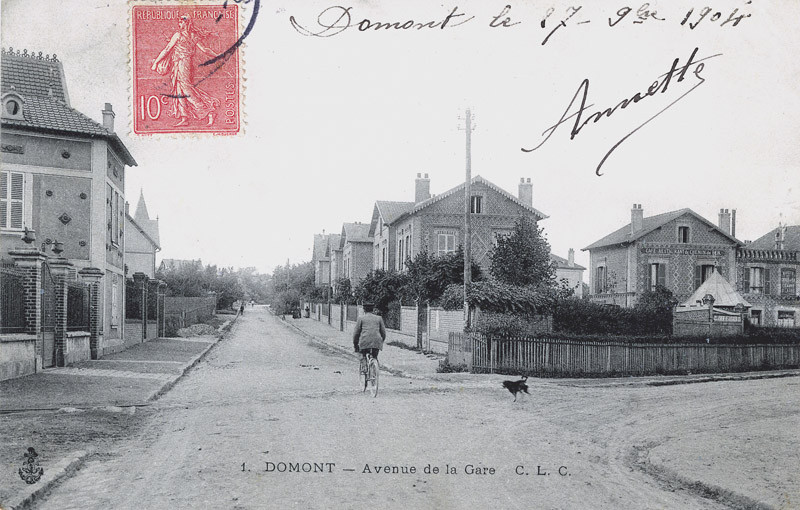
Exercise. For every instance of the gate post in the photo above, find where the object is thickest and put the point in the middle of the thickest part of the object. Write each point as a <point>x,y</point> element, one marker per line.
<point>29,261</point>
<point>140,280</point>
<point>62,271</point>
<point>92,276</point>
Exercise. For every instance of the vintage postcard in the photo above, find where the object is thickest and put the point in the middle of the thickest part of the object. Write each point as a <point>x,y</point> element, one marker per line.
<point>399,254</point>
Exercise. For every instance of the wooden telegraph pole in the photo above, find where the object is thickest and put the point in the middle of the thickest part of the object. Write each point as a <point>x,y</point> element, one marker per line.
<point>467,222</point>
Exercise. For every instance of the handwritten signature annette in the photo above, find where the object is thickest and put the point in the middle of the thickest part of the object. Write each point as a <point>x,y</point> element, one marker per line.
<point>660,86</point>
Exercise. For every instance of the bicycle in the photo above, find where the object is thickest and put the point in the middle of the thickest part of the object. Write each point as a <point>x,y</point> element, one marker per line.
<point>368,370</point>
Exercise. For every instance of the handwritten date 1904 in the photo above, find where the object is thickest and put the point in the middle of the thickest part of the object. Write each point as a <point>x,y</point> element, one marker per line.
<point>660,86</point>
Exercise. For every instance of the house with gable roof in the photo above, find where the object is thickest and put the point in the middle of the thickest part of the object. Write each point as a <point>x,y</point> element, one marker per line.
<point>141,240</point>
<point>435,223</point>
<point>356,249</point>
<point>567,269</point>
<point>769,277</point>
<point>384,233</point>
<point>63,177</point>
<point>678,250</point>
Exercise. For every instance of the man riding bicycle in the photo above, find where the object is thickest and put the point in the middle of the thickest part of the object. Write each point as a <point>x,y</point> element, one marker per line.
<point>369,334</point>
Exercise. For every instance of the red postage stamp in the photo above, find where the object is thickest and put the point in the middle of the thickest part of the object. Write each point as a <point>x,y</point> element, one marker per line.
<point>185,62</point>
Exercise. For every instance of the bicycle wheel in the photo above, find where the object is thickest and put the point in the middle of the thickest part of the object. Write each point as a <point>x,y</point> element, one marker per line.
<point>363,373</point>
<point>374,370</point>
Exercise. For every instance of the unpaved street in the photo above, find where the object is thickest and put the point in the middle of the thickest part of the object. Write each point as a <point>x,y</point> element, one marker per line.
<point>269,398</point>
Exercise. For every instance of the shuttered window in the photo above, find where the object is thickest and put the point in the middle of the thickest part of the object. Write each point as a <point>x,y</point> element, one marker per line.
<point>12,200</point>
<point>702,273</point>
<point>658,276</point>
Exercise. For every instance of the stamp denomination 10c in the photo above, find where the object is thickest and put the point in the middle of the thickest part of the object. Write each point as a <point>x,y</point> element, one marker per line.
<point>186,79</point>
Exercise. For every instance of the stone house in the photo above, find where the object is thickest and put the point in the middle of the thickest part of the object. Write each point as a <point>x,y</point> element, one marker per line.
<point>435,223</point>
<point>356,247</point>
<point>568,270</point>
<point>678,250</point>
<point>63,178</point>
<point>383,230</point>
<point>141,240</point>
<point>767,273</point>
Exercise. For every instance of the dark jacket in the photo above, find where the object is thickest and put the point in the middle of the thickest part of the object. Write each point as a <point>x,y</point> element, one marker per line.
<point>370,332</point>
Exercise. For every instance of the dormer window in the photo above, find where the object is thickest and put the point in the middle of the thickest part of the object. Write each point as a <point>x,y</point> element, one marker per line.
<point>13,106</point>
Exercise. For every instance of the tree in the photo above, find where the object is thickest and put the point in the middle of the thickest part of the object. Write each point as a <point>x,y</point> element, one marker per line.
<point>288,285</point>
<point>656,307</point>
<point>344,291</point>
<point>523,258</point>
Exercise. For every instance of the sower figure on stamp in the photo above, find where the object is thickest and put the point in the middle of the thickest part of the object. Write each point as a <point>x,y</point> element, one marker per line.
<point>186,100</point>
<point>369,334</point>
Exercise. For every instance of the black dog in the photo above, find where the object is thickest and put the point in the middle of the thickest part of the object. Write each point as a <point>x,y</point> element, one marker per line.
<point>516,386</point>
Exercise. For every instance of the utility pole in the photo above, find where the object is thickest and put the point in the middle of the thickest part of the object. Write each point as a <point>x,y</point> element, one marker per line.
<point>467,222</point>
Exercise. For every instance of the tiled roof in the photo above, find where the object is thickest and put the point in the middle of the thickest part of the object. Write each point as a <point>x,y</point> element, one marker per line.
<point>40,83</point>
<point>31,75</point>
<point>334,240</point>
<point>356,233</point>
<point>564,263</point>
<point>477,179</point>
<point>623,235</point>
<point>320,242</point>
<point>390,211</point>
<point>791,239</point>
<point>724,294</point>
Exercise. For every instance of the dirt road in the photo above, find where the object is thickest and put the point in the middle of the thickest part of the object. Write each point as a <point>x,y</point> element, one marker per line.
<point>271,420</point>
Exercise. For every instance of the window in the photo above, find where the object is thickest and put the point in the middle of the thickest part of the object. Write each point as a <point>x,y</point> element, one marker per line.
<point>408,247</point>
<point>756,280</point>
<point>12,198</point>
<point>755,317</point>
<point>383,258</point>
<point>600,280</point>
<point>788,282</point>
<point>657,276</point>
<point>475,204</point>
<point>114,301</point>
<point>446,244</point>
<point>702,273</point>
<point>785,318</point>
<point>400,254</point>
<point>683,234</point>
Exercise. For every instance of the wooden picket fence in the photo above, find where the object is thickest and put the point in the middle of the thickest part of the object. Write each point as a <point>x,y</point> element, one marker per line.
<point>551,357</point>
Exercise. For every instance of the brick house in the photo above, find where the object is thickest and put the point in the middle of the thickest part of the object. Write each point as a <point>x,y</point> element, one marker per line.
<point>141,240</point>
<point>356,247</point>
<point>436,223</point>
<point>319,260</point>
<point>678,250</point>
<point>384,232</point>
<point>64,178</point>
<point>767,271</point>
<point>568,270</point>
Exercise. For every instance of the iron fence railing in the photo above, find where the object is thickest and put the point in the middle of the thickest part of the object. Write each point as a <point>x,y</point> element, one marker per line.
<point>12,300</point>
<point>77,307</point>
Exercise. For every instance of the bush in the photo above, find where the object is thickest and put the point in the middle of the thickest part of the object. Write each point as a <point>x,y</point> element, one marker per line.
<point>445,367</point>
<point>500,325</point>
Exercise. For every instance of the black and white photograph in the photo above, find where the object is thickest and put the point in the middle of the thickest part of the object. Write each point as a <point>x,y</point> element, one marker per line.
<point>399,254</point>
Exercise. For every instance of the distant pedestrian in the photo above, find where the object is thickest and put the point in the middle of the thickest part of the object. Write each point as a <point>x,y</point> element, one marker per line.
<point>241,308</point>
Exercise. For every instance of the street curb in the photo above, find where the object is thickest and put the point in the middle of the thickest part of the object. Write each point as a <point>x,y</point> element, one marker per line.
<point>194,361</point>
<point>706,490</point>
<point>52,476</point>
<point>384,366</point>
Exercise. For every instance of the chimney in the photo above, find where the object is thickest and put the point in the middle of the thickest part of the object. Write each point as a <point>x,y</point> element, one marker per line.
<point>571,258</point>
<point>637,218</point>
<point>127,208</point>
<point>733,222</point>
<point>108,117</point>
<point>725,221</point>
<point>526,191</point>
<point>422,188</point>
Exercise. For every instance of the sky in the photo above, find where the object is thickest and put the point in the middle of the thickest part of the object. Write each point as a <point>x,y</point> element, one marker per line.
<point>335,121</point>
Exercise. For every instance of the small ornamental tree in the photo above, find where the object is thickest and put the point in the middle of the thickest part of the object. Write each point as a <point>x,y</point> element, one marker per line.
<point>523,258</point>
